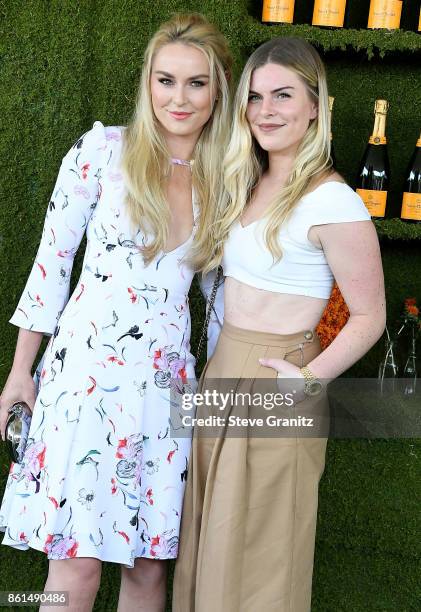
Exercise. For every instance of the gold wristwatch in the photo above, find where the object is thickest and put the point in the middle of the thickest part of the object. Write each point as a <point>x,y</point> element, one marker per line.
<point>312,385</point>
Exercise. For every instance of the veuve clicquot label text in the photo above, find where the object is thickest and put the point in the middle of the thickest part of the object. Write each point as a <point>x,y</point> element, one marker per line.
<point>278,11</point>
<point>411,206</point>
<point>329,13</point>
<point>375,201</point>
<point>385,14</point>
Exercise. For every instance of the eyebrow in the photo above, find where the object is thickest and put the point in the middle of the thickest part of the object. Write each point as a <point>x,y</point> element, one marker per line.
<point>197,76</point>
<point>275,90</point>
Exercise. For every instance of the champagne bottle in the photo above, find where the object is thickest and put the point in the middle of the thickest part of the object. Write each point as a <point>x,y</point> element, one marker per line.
<point>332,151</point>
<point>419,21</point>
<point>329,13</point>
<point>385,14</point>
<point>374,174</point>
<point>410,369</point>
<point>411,201</point>
<point>278,11</point>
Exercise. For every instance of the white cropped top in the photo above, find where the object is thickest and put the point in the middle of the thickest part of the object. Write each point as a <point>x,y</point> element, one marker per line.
<point>303,269</point>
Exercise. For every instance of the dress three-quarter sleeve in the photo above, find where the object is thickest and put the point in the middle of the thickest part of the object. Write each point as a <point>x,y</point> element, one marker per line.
<point>73,200</point>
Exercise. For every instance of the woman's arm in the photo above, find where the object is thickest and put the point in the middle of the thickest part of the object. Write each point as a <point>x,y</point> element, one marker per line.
<point>353,253</point>
<point>75,196</point>
<point>27,346</point>
<point>20,386</point>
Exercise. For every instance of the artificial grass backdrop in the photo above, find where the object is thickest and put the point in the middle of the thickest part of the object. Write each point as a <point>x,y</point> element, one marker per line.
<point>64,64</point>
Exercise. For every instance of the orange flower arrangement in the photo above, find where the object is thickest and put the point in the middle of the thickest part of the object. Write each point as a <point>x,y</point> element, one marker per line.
<point>334,317</point>
<point>411,312</point>
<point>336,314</point>
<point>411,309</point>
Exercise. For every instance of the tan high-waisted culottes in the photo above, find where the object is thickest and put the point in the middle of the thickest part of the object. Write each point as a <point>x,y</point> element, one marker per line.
<point>250,506</point>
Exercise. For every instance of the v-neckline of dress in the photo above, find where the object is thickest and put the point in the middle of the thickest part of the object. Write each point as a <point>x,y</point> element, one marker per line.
<point>195,211</point>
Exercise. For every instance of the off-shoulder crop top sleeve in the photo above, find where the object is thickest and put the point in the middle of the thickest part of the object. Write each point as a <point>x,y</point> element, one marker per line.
<point>303,268</point>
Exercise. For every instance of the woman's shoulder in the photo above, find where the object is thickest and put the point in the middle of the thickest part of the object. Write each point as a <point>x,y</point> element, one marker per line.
<point>96,147</point>
<point>99,136</point>
<point>333,183</point>
<point>332,198</point>
<point>333,189</point>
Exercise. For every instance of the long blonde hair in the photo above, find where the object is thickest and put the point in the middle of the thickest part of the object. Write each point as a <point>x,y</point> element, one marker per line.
<point>245,160</point>
<point>145,156</point>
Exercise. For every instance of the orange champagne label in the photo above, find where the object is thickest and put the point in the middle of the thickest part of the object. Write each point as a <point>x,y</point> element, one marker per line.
<point>419,22</point>
<point>279,11</point>
<point>377,140</point>
<point>375,201</point>
<point>329,13</point>
<point>419,142</point>
<point>411,206</point>
<point>385,14</point>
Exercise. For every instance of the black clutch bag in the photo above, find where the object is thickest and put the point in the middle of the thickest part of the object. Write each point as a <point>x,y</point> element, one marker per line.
<point>17,430</point>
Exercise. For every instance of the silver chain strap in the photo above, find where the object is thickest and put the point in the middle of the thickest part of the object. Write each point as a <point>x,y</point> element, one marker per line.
<point>210,303</point>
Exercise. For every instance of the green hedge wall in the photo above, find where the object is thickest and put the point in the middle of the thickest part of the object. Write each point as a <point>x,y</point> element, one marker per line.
<point>64,64</point>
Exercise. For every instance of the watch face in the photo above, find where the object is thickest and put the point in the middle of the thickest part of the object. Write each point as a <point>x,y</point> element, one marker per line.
<point>314,387</point>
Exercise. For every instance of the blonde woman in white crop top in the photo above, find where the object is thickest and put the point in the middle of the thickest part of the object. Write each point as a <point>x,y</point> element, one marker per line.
<point>289,226</point>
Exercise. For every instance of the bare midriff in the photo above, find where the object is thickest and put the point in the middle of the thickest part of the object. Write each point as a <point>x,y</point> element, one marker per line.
<point>267,311</point>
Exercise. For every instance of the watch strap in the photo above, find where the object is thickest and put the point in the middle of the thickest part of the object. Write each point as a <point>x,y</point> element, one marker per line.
<point>308,374</point>
<point>312,385</point>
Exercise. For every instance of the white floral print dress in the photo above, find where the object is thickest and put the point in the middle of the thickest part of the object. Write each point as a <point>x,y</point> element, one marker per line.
<point>102,477</point>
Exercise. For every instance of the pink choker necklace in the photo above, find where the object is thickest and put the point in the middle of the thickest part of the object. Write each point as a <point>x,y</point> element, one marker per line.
<point>182,162</point>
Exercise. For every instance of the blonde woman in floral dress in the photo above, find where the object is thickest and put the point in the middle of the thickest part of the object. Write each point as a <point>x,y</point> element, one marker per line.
<point>102,478</point>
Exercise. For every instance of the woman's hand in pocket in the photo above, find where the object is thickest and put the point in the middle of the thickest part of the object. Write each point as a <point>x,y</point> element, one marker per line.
<point>289,377</point>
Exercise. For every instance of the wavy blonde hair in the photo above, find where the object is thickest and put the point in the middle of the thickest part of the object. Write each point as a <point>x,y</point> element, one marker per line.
<point>145,156</point>
<point>245,161</point>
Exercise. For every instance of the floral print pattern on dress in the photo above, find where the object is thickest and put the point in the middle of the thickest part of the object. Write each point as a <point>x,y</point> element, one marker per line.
<point>102,477</point>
